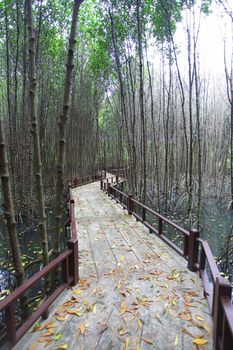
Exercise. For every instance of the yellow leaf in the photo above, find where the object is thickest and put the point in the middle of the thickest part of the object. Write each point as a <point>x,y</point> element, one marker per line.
<point>207,328</point>
<point>176,342</point>
<point>50,332</point>
<point>50,325</point>
<point>94,291</point>
<point>77,291</point>
<point>199,341</point>
<point>148,341</point>
<point>171,312</point>
<point>94,309</point>
<point>122,258</point>
<point>122,332</point>
<point>60,318</point>
<point>127,343</point>
<point>199,318</point>
<point>61,347</point>
<point>140,324</point>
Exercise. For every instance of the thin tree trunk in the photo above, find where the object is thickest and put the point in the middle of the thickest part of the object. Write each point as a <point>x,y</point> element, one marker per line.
<point>9,209</point>
<point>62,122</point>
<point>35,135</point>
<point>141,97</point>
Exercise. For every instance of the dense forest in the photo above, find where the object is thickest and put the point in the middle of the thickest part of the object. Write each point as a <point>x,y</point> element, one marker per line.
<point>93,85</point>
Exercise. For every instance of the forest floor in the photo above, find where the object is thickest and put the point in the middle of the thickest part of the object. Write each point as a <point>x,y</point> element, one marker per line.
<point>134,291</point>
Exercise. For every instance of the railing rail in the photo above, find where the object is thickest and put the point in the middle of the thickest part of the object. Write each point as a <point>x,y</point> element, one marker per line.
<point>79,181</point>
<point>70,276</point>
<point>200,258</point>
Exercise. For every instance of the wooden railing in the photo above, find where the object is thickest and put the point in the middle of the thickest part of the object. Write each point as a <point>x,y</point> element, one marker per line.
<point>79,181</point>
<point>197,252</point>
<point>68,260</point>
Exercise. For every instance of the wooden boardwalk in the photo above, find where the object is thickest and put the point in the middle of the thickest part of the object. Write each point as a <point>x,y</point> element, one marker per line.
<point>134,291</point>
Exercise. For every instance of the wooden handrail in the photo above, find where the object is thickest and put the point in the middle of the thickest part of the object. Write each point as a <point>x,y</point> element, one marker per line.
<point>70,272</point>
<point>18,292</point>
<point>218,293</point>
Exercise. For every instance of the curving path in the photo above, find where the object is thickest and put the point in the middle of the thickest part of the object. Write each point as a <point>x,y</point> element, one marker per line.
<point>134,292</point>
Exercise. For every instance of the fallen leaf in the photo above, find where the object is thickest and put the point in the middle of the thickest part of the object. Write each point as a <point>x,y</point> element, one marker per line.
<point>61,347</point>
<point>127,343</point>
<point>122,331</point>
<point>94,309</point>
<point>37,327</point>
<point>50,325</point>
<point>58,336</point>
<point>185,317</point>
<point>124,308</point>
<point>207,328</point>
<point>200,341</point>
<point>77,291</point>
<point>148,341</point>
<point>84,283</point>
<point>139,324</point>
<point>44,340</point>
<point>176,342</point>
<point>33,347</point>
<point>75,312</point>
<point>193,294</point>
<point>199,318</point>
<point>82,328</point>
<point>184,330</point>
<point>61,318</point>
<point>48,333</point>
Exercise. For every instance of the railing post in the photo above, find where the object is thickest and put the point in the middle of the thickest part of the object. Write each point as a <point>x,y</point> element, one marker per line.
<point>193,249</point>
<point>120,198</point>
<point>10,324</point>
<point>109,189</point>
<point>160,227</point>
<point>101,184</point>
<point>65,271</point>
<point>130,204</point>
<point>143,214</point>
<point>202,260</point>
<point>186,245</point>
<point>117,179</point>
<point>222,288</point>
<point>73,261</point>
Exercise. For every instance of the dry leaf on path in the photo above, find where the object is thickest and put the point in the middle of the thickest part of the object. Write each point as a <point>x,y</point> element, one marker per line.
<point>127,341</point>
<point>185,317</point>
<point>60,317</point>
<point>200,341</point>
<point>148,341</point>
<point>33,347</point>
<point>44,340</point>
<point>176,342</point>
<point>82,328</point>
<point>61,347</point>
<point>140,323</point>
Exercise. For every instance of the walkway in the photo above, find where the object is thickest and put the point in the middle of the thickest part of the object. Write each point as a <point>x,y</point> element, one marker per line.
<point>134,292</point>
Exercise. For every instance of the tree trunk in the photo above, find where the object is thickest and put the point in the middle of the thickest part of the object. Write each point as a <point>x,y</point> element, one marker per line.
<point>35,136</point>
<point>9,209</point>
<point>62,122</point>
